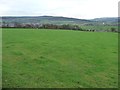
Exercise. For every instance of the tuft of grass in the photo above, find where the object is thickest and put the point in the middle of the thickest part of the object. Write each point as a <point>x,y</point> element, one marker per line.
<point>59,59</point>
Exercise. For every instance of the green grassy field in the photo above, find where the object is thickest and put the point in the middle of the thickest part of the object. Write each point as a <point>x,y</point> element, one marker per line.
<point>59,59</point>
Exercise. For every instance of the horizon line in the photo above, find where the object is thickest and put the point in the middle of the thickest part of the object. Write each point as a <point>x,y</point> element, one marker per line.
<point>53,16</point>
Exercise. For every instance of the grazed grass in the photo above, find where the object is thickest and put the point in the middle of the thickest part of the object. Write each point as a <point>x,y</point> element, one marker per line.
<point>51,58</point>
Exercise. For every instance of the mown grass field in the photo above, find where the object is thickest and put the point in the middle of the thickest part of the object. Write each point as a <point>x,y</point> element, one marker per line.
<point>59,59</point>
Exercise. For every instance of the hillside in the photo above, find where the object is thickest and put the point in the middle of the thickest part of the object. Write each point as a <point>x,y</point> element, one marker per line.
<point>44,20</point>
<point>97,23</point>
<point>111,19</point>
<point>58,20</point>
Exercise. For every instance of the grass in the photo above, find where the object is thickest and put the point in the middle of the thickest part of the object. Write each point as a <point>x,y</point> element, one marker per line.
<point>59,59</point>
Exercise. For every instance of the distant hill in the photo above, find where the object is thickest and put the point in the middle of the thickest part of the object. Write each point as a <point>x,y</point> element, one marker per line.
<point>58,20</point>
<point>45,19</point>
<point>106,19</point>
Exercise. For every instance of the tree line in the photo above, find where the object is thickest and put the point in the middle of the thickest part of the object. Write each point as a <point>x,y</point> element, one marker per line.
<point>50,26</point>
<point>41,26</point>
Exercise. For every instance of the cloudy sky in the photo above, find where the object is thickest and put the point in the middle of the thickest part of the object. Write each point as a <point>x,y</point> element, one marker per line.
<point>84,9</point>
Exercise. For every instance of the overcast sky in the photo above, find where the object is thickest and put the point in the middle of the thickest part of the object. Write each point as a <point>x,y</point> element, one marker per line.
<point>83,9</point>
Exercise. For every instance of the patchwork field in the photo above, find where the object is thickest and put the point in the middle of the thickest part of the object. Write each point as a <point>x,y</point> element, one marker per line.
<point>59,59</point>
